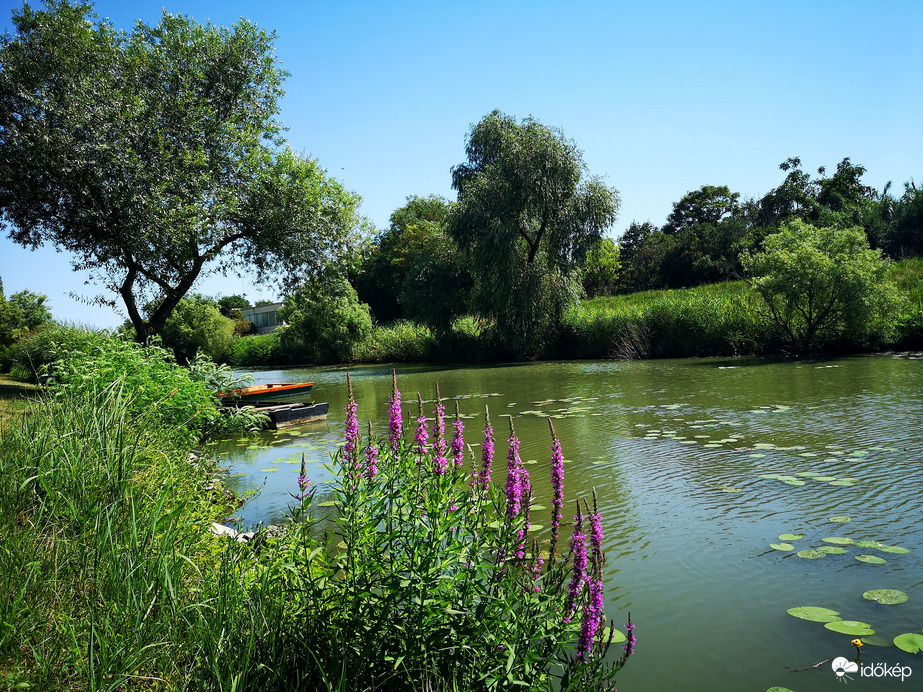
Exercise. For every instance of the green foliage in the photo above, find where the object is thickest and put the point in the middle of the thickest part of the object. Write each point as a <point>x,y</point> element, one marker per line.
<point>708,205</point>
<point>707,320</point>
<point>414,236</point>
<point>601,270</point>
<point>325,318</point>
<point>259,349</point>
<point>436,585</point>
<point>34,355</point>
<point>399,342</point>
<point>819,285</point>
<point>228,305</point>
<point>20,314</point>
<point>156,386</point>
<point>128,148</point>
<point>197,326</point>
<point>437,287</point>
<point>526,216</point>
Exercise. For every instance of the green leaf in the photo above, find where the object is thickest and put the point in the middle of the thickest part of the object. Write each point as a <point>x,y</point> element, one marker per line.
<point>837,540</point>
<point>840,519</point>
<point>782,546</point>
<point>814,613</point>
<point>833,550</point>
<point>885,596</point>
<point>851,627</point>
<point>871,559</point>
<point>810,554</point>
<point>911,642</point>
<point>791,536</point>
<point>893,549</point>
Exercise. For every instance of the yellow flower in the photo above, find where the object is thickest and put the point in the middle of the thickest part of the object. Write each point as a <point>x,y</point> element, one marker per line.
<point>857,642</point>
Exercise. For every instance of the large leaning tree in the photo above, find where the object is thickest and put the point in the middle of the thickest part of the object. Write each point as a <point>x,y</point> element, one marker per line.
<point>527,215</point>
<point>156,157</point>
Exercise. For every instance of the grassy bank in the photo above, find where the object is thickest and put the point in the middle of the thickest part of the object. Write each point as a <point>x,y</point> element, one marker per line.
<point>719,319</point>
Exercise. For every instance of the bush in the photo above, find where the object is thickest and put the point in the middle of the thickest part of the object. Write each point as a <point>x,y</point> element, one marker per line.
<point>326,320</point>
<point>197,326</point>
<point>400,342</point>
<point>433,584</point>
<point>821,285</point>
<point>260,349</point>
<point>32,356</point>
<point>154,385</point>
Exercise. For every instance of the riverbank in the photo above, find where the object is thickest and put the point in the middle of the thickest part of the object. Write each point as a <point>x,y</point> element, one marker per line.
<point>721,319</point>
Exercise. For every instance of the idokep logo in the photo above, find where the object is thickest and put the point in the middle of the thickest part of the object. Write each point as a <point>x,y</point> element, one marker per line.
<point>843,666</point>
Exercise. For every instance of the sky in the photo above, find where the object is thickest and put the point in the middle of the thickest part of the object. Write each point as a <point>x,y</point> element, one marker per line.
<point>662,98</point>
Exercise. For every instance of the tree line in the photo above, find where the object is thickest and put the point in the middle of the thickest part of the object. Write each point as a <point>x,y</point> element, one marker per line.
<point>157,159</point>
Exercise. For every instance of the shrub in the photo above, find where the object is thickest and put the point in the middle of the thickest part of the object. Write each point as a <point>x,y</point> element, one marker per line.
<point>397,343</point>
<point>154,386</point>
<point>326,320</point>
<point>197,326</point>
<point>819,285</point>
<point>433,583</point>
<point>260,349</point>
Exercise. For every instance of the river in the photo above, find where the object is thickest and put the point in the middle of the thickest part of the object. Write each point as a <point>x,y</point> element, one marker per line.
<point>700,466</point>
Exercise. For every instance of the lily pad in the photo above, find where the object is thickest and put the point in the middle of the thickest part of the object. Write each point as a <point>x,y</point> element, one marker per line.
<point>871,559</point>
<point>877,640</point>
<point>764,445</point>
<point>617,635</point>
<point>791,536</point>
<point>824,479</point>
<point>810,554</point>
<point>782,546</point>
<point>850,627</point>
<point>868,544</point>
<point>756,456</point>
<point>911,642</point>
<point>770,476</point>
<point>729,489</point>
<point>538,508</point>
<point>833,550</point>
<point>269,469</point>
<point>778,689</point>
<point>893,549</point>
<point>843,483</point>
<point>885,596</point>
<point>840,519</point>
<point>838,540</point>
<point>814,614</point>
<point>793,481</point>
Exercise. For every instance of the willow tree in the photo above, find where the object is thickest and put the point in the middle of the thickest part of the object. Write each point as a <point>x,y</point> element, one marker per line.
<point>156,158</point>
<point>527,214</point>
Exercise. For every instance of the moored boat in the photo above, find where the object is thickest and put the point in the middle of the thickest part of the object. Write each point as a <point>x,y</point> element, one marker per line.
<point>268,392</point>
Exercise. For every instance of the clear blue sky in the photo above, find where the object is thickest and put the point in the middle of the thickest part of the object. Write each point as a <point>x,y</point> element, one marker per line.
<point>662,97</point>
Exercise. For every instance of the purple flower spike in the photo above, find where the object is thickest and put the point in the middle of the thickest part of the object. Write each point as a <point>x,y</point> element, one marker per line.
<point>371,457</point>
<point>422,436</point>
<point>439,446</point>
<point>487,451</point>
<point>596,531</point>
<point>630,644</point>
<point>351,443</point>
<point>302,482</point>
<point>458,440</point>
<point>557,485</point>
<point>592,618</point>
<point>513,482</point>
<point>578,573</point>
<point>394,416</point>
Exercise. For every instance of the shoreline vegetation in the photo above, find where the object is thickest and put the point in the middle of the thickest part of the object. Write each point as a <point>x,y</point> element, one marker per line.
<point>114,579</point>
<point>717,319</point>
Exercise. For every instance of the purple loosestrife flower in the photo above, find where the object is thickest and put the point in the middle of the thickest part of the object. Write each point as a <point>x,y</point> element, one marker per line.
<point>422,436</point>
<point>351,437</point>
<point>394,415</point>
<point>439,446</point>
<point>513,483</point>
<point>487,451</point>
<point>592,618</point>
<point>371,457</point>
<point>458,440</point>
<point>630,644</point>
<point>302,482</point>
<point>578,572</point>
<point>557,485</point>
<point>596,531</point>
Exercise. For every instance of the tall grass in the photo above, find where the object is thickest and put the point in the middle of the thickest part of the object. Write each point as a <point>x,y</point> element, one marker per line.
<point>716,319</point>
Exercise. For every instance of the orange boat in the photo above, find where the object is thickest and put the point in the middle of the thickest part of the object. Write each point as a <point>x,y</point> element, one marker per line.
<point>268,392</point>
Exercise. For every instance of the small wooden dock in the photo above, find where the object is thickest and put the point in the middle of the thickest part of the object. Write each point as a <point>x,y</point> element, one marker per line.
<point>286,415</point>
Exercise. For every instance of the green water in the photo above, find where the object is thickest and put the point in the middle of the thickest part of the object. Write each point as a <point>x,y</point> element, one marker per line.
<point>675,449</point>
